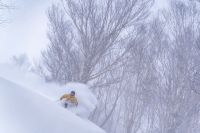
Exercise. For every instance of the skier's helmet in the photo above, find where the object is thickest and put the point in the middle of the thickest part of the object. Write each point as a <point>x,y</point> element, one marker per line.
<point>72,93</point>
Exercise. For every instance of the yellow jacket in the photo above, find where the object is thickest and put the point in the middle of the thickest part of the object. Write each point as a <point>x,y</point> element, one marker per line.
<point>70,98</point>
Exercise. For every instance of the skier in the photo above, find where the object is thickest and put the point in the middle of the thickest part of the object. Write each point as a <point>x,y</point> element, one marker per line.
<point>69,99</point>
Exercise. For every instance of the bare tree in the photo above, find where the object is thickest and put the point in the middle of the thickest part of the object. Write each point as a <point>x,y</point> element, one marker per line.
<point>136,88</point>
<point>178,102</point>
<point>61,58</point>
<point>99,27</point>
<point>90,41</point>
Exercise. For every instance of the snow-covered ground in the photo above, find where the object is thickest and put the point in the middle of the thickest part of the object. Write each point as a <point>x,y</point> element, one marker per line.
<point>29,105</point>
<point>21,76</point>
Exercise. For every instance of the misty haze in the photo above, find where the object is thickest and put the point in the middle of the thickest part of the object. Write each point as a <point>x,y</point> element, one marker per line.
<point>99,66</point>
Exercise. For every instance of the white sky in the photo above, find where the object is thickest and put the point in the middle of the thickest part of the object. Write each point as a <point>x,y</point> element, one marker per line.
<point>26,33</point>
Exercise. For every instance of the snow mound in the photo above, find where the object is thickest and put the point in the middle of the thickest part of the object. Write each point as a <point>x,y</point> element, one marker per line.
<point>24,111</point>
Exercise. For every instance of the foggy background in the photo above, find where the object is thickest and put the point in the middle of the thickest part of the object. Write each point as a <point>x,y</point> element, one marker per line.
<point>27,25</point>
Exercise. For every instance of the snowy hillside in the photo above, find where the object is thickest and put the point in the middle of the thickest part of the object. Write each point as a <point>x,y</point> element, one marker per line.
<point>24,111</point>
<point>87,101</point>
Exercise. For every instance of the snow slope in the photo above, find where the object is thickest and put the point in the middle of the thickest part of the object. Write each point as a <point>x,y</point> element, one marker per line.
<point>25,111</point>
<point>87,101</point>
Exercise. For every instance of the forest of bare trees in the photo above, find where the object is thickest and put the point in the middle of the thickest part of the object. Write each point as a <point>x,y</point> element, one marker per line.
<point>145,70</point>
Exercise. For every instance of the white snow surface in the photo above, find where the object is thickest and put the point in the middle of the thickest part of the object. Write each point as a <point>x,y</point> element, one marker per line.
<point>29,105</point>
<point>86,99</point>
<point>24,111</point>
